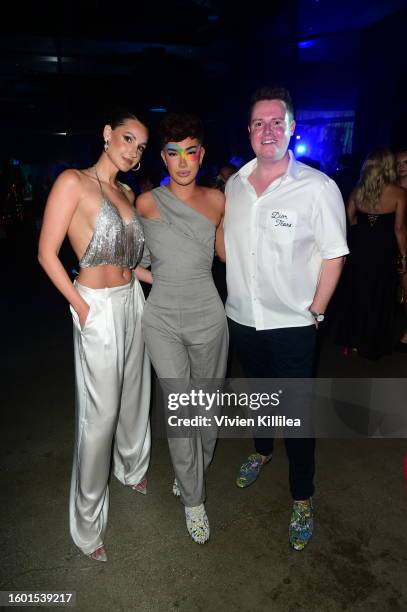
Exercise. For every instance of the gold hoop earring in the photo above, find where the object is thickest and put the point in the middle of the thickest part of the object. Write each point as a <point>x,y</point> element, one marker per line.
<point>137,168</point>
<point>106,145</point>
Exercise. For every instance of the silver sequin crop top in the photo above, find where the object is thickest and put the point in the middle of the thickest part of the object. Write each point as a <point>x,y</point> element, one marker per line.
<point>114,242</point>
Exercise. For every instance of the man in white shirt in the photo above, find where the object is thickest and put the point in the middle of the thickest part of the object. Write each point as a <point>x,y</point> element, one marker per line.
<point>285,239</point>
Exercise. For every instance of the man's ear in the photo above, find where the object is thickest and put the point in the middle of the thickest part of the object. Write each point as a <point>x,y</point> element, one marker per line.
<point>201,154</point>
<point>163,158</point>
<point>292,127</point>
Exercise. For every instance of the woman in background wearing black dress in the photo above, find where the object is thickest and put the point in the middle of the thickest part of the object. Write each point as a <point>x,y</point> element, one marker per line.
<point>377,215</point>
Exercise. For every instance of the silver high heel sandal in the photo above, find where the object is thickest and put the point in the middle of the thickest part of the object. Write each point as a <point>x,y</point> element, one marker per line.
<point>99,554</point>
<point>141,487</point>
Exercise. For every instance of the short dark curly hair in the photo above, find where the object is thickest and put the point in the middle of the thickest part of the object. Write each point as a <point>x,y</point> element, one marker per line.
<point>178,126</point>
<point>272,93</point>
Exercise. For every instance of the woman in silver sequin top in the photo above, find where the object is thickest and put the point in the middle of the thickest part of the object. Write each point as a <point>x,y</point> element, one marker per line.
<point>106,301</point>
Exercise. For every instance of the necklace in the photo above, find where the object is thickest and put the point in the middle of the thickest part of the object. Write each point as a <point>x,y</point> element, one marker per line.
<point>117,184</point>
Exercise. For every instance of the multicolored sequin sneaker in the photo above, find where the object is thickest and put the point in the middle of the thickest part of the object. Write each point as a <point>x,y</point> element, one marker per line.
<point>197,523</point>
<point>250,470</point>
<point>301,524</point>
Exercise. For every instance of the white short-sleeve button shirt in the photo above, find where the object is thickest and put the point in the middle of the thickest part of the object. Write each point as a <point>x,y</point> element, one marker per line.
<point>275,244</point>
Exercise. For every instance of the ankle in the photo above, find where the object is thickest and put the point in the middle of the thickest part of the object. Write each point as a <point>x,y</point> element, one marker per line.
<point>303,502</point>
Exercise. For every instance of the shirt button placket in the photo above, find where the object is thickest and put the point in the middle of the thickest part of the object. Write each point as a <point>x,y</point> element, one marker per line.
<point>254,262</point>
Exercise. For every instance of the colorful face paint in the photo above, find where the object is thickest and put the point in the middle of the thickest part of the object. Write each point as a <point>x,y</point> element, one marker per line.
<point>191,153</point>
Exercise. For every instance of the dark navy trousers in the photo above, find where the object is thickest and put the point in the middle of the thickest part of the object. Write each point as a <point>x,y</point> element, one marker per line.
<point>281,353</point>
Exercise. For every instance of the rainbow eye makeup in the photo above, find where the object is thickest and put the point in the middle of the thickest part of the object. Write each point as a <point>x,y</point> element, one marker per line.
<point>191,153</point>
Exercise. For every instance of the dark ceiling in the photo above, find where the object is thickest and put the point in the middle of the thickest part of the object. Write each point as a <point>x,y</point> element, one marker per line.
<point>63,64</point>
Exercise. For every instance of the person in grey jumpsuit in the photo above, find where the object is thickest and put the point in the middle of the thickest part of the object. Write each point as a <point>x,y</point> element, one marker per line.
<point>184,323</point>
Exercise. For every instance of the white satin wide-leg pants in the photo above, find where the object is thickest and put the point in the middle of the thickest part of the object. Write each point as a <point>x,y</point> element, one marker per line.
<point>112,401</point>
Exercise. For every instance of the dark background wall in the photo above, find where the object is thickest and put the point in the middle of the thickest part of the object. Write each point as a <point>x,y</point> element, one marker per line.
<point>63,65</point>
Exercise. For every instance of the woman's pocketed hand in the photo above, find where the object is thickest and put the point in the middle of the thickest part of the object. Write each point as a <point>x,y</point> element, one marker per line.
<point>83,312</point>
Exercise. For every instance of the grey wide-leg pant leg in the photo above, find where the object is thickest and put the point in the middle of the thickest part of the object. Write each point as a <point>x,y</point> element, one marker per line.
<point>177,364</point>
<point>112,400</point>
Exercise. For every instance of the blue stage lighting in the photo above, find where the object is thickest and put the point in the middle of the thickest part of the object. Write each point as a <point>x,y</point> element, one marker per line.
<point>305,44</point>
<point>301,149</point>
<point>298,137</point>
<point>158,109</point>
<point>237,161</point>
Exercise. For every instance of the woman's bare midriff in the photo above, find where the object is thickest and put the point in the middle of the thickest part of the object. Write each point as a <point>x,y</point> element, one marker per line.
<point>100,277</point>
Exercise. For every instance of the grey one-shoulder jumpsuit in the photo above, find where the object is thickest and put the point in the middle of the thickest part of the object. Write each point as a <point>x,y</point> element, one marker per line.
<point>184,324</point>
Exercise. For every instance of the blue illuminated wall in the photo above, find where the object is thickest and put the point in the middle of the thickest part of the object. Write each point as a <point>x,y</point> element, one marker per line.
<point>324,135</point>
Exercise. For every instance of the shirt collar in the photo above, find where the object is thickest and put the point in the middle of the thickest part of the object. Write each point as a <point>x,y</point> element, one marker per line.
<point>293,168</point>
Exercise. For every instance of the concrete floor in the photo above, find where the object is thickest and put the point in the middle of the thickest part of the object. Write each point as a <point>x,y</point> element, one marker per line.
<point>355,562</point>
